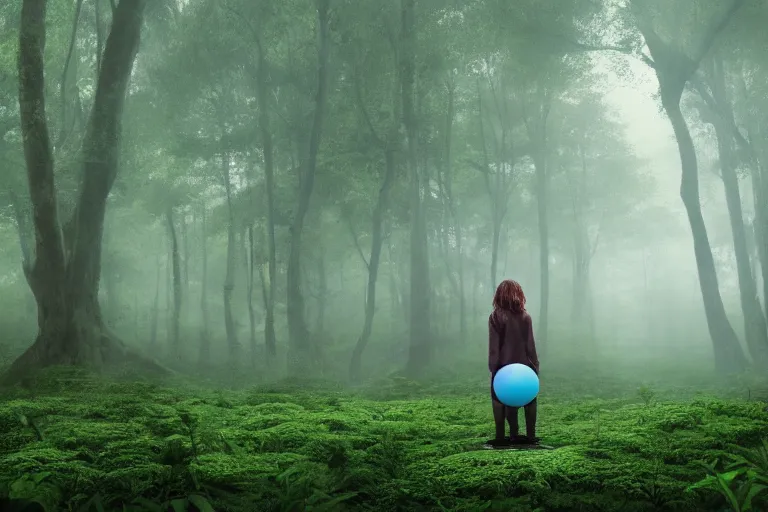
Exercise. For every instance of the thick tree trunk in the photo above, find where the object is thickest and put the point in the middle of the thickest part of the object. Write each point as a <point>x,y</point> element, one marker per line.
<point>66,282</point>
<point>420,352</point>
<point>109,285</point>
<point>298,333</point>
<point>21,217</point>
<point>176,277</point>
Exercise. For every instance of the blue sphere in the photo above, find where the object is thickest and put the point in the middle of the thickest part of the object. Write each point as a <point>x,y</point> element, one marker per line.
<point>516,385</point>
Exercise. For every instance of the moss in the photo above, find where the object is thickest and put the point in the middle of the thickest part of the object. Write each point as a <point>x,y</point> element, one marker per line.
<point>387,450</point>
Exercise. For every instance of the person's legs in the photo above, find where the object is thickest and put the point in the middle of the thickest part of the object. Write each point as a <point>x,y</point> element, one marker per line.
<point>530,419</point>
<point>498,413</point>
<point>498,419</point>
<point>511,414</point>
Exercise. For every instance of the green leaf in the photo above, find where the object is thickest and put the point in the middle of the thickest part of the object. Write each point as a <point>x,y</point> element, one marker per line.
<point>339,499</point>
<point>285,474</point>
<point>202,504</point>
<point>94,502</point>
<point>726,491</point>
<point>754,490</point>
<point>707,482</point>
<point>152,507</point>
<point>179,505</point>
<point>730,475</point>
<point>39,477</point>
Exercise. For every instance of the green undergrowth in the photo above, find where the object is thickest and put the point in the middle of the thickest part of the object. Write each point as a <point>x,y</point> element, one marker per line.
<point>81,443</point>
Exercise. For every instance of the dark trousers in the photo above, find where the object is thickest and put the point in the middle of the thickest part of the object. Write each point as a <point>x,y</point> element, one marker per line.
<point>502,412</point>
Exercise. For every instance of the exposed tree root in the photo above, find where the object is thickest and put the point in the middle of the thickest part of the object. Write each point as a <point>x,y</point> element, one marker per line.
<point>105,351</point>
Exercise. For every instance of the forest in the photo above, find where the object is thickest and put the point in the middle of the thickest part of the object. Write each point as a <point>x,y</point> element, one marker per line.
<point>248,250</point>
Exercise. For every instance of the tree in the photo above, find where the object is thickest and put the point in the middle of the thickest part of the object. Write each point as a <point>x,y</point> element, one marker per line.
<point>65,273</point>
<point>674,68</point>
<point>420,327</point>
<point>718,111</point>
<point>298,332</point>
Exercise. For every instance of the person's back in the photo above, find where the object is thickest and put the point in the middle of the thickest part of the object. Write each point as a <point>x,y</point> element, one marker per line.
<point>514,343</point>
<point>510,340</point>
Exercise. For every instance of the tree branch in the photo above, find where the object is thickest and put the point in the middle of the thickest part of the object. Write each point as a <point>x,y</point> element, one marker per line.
<point>352,232</point>
<point>717,26</point>
<point>63,84</point>
<point>364,111</point>
<point>698,85</point>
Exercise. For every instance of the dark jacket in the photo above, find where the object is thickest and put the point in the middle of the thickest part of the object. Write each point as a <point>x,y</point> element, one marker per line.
<point>510,340</point>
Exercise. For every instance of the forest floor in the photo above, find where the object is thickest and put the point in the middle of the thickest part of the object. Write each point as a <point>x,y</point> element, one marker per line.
<point>77,442</point>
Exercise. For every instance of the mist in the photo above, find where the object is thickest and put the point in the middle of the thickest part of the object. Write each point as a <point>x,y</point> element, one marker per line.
<point>240,199</point>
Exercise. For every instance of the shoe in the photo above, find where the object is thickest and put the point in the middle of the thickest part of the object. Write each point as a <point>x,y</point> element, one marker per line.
<point>497,443</point>
<point>524,440</point>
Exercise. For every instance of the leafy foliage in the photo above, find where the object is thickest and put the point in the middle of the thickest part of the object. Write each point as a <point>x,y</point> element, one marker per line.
<point>156,448</point>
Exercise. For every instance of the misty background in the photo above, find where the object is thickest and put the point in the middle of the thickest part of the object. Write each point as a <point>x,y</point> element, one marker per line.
<point>189,215</point>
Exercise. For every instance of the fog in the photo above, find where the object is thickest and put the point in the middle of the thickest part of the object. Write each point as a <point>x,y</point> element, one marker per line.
<point>259,255</point>
<point>469,133</point>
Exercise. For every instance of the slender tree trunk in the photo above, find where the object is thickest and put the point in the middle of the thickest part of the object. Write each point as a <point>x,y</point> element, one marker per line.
<point>377,241</point>
<point>262,94</point>
<point>177,296</point>
<point>537,133</point>
<point>760,227</point>
<point>155,310</point>
<point>251,315</point>
<point>229,279</point>
<point>754,322</point>
<point>298,333</point>
<point>322,290</point>
<point>728,354</point>
<point>65,275</point>
<point>420,352</point>
<point>760,196</point>
<point>169,300</point>
<point>496,195</point>
<point>185,260</point>
<point>673,71</point>
<point>450,114</point>
<point>542,210</point>
<point>394,290</point>
<point>205,347</point>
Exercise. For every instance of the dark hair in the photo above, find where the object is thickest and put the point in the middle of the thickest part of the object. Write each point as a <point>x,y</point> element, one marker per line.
<point>509,295</point>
